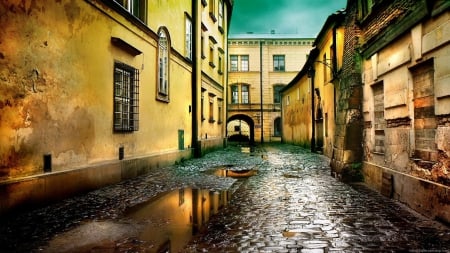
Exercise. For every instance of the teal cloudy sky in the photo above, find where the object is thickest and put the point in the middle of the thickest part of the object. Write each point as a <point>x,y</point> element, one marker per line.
<point>303,17</point>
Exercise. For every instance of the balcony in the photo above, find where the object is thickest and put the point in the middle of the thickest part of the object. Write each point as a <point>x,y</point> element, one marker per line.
<point>254,107</point>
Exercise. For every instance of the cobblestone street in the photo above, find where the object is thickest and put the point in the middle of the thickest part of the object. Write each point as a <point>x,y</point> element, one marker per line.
<point>291,204</point>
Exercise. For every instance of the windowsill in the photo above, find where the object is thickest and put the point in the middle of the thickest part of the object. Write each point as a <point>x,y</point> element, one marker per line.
<point>163,98</point>
<point>203,119</point>
<point>203,57</point>
<point>211,121</point>
<point>221,29</point>
<point>212,64</point>
<point>219,122</point>
<point>220,72</point>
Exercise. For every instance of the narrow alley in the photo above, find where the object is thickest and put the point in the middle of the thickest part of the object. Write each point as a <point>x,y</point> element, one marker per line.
<point>288,203</point>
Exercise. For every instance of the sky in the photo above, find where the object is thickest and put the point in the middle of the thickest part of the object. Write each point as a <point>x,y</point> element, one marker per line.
<point>302,17</point>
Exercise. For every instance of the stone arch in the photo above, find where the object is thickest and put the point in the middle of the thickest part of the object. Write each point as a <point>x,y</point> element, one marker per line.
<point>248,120</point>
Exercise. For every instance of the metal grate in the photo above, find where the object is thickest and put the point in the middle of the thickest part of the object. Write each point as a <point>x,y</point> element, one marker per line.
<point>126,98</point>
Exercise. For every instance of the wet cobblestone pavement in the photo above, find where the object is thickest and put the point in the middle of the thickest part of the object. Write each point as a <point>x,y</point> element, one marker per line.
<point>292,204</point>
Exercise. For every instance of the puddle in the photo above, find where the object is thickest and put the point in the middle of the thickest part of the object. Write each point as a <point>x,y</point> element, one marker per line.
<point>231,171</point>
<point>165,223</point>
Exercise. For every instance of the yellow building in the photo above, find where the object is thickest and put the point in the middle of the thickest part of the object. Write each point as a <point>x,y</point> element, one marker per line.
<point>309,99</point>
<point>260,65</point>
<point>96,91</point>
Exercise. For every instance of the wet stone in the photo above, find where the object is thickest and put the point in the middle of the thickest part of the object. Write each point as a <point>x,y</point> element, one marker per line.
<point>291,204</point>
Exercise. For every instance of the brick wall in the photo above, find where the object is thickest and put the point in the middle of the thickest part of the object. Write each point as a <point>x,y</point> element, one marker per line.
<point>347,148</point>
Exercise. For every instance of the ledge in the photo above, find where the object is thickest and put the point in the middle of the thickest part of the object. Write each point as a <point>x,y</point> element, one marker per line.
<point>118,42</point>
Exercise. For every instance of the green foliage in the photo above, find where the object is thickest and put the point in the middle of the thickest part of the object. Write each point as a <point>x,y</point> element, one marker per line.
<point>353,173</point>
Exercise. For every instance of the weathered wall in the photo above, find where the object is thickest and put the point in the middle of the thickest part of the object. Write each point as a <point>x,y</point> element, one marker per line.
<point>409,133</point>
<point>56,71</point>
<point>347,150</point>
<point>297,127</point>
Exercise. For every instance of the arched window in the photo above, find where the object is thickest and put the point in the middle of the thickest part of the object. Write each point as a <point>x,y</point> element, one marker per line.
<point>163,65</point>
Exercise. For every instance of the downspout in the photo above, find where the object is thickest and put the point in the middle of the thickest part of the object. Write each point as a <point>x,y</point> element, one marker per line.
<point>194,114</point>
<point>311,74</point>
<point>261,90</point>
<point>334,68</point>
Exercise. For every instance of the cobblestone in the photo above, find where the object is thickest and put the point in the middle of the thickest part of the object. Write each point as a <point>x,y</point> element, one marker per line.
<point>291,205</point>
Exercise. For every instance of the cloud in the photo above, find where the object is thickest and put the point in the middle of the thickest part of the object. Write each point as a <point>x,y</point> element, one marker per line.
<point>304,17</point>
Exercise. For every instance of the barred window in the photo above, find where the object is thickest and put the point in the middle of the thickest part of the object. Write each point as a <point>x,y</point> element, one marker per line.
<point>126,98</point>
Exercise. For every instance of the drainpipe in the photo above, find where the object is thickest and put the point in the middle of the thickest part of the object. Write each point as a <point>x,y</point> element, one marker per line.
<point>261,90</point>
<point>194,114</point>
<point>311,74</point>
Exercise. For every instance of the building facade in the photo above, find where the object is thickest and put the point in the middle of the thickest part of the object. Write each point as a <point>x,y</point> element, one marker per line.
<point>259,67</point>
<point>309,101</point>
<point>406,101</point>
<point>95,91</point>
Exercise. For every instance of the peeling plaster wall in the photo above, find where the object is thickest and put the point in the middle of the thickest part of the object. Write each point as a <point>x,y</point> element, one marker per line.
<point>409,127</point>
<point>56,92</point>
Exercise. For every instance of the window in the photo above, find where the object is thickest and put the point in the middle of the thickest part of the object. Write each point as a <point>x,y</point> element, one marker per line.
<point>211,108</point>
<point>126,98</point>
<point>234,94</point>
<point>220,110</point>
<point>212,10</point>
<point>424,111</point>
<point>244,62</point>
<point>277,93</point>
<point>136,7</point>
<point>379,121</point>
<point>278,63</point>
<point>212,43</point>
<point>244,94</point>
<point>163,65</point>
<point>202,46</point>
<point>288,100</point>
<point>220,64</point>
<point>233,63</point>
<point>325,67</point>
<point>202,104</point>
<point>188,53</point>
<point>221,16</point>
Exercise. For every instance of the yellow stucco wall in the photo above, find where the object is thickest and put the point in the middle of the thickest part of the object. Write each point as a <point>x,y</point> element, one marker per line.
<point>211,84</point>
<point>56,95</point>
<point>297,127</point>
<point>297,113</point>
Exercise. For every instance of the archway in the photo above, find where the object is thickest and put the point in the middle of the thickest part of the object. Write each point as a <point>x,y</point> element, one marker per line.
<point>241,127</point>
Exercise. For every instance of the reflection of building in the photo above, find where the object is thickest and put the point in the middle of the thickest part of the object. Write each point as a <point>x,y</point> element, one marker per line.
<point>173,218</point>
<point>111,88</point>
<point>315,82</point>
<point>264,62</point>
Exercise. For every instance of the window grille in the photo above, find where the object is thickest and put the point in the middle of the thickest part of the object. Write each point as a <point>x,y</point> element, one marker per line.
<point>126,98</point>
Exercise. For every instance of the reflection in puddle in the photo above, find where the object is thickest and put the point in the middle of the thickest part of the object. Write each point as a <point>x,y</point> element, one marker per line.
<point>169,221</point>
<point>229,171</point>
<point>165,223</point>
